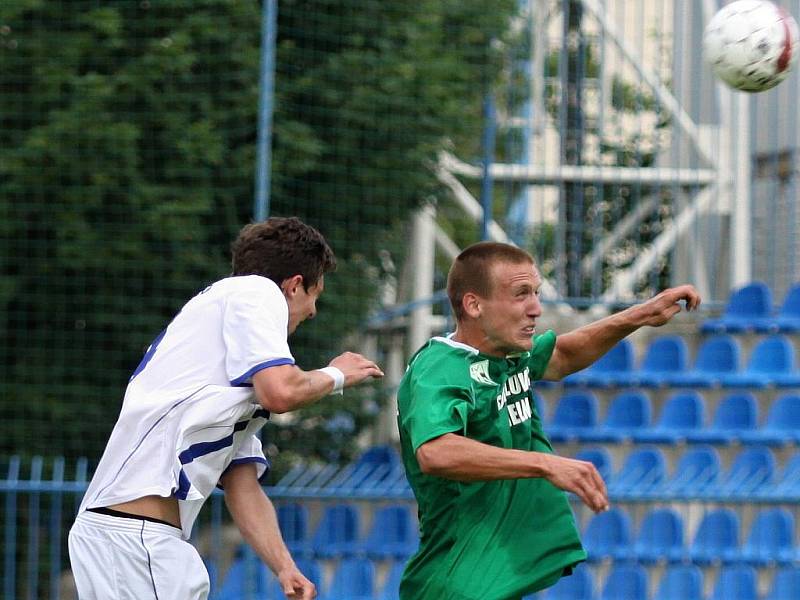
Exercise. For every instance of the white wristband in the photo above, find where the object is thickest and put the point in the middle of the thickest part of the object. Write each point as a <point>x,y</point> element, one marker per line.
<point>337,376</point>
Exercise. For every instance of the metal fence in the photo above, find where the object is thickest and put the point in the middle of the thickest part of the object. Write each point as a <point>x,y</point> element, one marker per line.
<point>589,132</point>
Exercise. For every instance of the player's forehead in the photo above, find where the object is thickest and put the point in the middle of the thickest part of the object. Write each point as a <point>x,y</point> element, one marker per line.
<point>507,274</point>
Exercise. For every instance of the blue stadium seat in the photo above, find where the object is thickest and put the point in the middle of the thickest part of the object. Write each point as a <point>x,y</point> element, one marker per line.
<point>785,584</point>
<point>771,538</point>
<point>681,582</point>
<point>238,580</point>
<point>736,413</point>
<point>749,475</point>
<point>599,457</point>
<point>393,533</point>
<point>607,535</point>
<point>575,413</point>
<point>716,539</point>
<point>391,586</point>
<point>716,357</point>
<point>625,581</point>
<point>539,406</point>
<point>771,363</point>
<point>247,575</point>
<point>782,425</point>
<point>354,579</point>
<point>747,307</point>
<point>370,471</point>
<point>293,522</point>
<point>213,572</point>
<point>788,318</point>
<point>660,538</point>
<point>627,413</point>
<point>787,486</point>
<point>337,532</point>
<point>310,568</point>
<point>379,455</point>
<point>736,582</point>
<point>664,357</point>
<point>697,470</point>
<point>683,412</point>
<point>578,586</point>
<point>641,473</point>
<point>613,368</point>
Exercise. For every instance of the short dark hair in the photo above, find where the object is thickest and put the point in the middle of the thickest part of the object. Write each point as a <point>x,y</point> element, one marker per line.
<point>472,272</point>
<point>280,248</point>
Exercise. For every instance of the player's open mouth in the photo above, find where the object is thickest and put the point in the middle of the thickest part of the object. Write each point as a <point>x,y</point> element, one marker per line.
<point>529,330</point>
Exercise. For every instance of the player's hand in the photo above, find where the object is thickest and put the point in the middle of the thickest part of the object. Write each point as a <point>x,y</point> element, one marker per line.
<point>579,477</point>
<point>295,585</point>
<point>661,308</point>
<point>356,368</point>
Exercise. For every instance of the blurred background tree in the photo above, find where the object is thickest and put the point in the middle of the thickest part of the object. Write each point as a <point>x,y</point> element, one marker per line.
<point>127,161</point>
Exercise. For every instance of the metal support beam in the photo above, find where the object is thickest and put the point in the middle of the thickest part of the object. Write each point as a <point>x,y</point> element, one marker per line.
<point>623,228</point>
<point>661,92</point>
<point>553,175</point>
<point>473,208</point>
<point>624,283</point>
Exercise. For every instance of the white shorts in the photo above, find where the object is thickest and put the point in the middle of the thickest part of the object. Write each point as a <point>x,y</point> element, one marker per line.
<point>116,558</point>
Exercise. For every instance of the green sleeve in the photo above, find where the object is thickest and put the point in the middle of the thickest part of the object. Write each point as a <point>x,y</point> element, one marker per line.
<point>543,346</point>
<point>430,404</point>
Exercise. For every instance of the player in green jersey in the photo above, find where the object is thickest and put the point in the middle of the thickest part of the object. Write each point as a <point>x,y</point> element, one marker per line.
<point>495,523</point>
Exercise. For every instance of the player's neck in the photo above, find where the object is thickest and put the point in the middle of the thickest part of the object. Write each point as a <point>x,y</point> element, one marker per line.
<point>476,338</point>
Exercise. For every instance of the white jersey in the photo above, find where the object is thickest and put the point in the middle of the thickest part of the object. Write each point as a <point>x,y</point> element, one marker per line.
<point>189,411</point>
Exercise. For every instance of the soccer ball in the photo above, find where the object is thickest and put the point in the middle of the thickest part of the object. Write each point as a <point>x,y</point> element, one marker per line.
<point>751,44</point>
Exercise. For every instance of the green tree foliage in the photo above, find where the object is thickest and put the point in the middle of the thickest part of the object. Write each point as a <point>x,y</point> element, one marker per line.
<point>127,155</point>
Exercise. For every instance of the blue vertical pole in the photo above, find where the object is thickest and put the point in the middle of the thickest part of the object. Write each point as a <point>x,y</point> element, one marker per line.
<point>55,528</point>
<point>10,566</point>
<point>266,101</point>
<point>34,509</point>
<point>488,158</point>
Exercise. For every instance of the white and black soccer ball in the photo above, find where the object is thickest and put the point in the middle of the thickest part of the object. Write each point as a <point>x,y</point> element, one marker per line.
<point>751,44</point>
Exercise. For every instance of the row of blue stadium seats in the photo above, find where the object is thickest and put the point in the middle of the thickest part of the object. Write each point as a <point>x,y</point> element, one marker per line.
<point>678,582</point>
<point>750,309</point>
<point>660,538</point>
<point>392,534</point>
<point>682,419</point>
<point>717,364</point>
<point>353,579</point>
<point>698,474</point>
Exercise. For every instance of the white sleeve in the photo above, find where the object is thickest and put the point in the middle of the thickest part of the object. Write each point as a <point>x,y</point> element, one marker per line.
<point>250,452</point>
<point>255,328</point>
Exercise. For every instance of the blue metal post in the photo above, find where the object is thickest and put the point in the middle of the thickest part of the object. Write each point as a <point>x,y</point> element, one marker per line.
<point>34,503</point>
<point>266,93</point>
<point>489,135</point>
<point>55,529</point>
<point>10,558</point>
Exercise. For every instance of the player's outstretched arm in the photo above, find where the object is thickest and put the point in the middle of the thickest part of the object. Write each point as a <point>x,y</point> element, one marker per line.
<point>254,515</point>
<point>286,387</point>
<point>456,457</point>
<point>578,349</point>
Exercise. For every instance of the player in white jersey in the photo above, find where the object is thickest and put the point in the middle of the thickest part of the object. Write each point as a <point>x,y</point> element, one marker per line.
<point>189,419</point>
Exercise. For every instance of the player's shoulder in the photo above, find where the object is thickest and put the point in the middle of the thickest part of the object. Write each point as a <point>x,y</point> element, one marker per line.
<point>445,356</point>
<point>246,284</point>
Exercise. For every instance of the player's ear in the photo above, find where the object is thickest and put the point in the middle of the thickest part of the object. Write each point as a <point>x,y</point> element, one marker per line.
<point>290,285</point>
<point>471,304</point>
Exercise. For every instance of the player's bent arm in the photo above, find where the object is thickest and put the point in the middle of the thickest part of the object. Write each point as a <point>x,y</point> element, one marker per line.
<point>456,457</point>
<point>287,387</point>
<point>254,515</point>
<point>578,349</point>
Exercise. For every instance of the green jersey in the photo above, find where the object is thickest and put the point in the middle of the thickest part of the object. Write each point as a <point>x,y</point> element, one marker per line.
<point>486,540</point>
